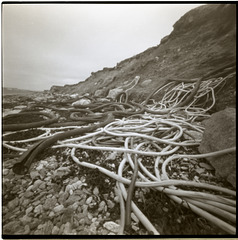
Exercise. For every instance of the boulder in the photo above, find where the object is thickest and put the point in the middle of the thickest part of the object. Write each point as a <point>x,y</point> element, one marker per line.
<point>219,134</point>
<point>113,93</point>
<point>82,101</point>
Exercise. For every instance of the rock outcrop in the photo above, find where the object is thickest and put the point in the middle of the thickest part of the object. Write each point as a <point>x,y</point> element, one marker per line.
<point>219,134</point>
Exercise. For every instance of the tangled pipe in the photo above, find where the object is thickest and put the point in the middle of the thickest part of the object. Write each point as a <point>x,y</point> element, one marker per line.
<point>23,166</point>
<point>213,73</point>
<point>20,126</point>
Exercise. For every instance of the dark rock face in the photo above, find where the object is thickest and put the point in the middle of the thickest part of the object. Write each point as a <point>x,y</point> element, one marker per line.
<point>219,134</point>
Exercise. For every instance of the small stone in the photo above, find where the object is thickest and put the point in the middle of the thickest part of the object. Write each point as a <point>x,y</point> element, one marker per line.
<point>89,200</point>
<point>134,217</point>
<point>165,209</point>
<point>110,204</point>
<point>58,208</point>
<point>62,197</point>
<point>48,228</point>
<point>75,205</point>
<point>62,171</point>
<point>183,168</point>
<point>29,188</point>
<point>67,228</point>
<point>112,156</point>
<point>105,195</point>
<point>36,184</point>
<point>117,199</point>
<point>13,204</point>
<point>34,223</point>
<point>5,172</point>
<point>101,206</point>
<point>95,191</point>
<point>112,226</point>
<point>25,202</point>
<point>93,228</point>
<point>82,221</point>
<point>135,228</point>
<point>184,177</point>
<point>51,214</point>
<point>90,216</point>
<point>67,215</point>
<point>34,175</point>
<point>43,173</point>
<point>27,230</point>
<point>49,203</point>
<point>55,230</point>
<point>206,166</point>
<point>28,194</point>
<point>36,203</point>
<point>39,167</point>
<point>25,219</point>
<point>38,209</point>
<point>72,199</point>
<point>200,170</point>
<point>28,210</point>
<point>42,186</point>
<point>11,227</point>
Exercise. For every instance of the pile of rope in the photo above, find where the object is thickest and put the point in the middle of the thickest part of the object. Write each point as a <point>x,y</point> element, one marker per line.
<point>163,130</point>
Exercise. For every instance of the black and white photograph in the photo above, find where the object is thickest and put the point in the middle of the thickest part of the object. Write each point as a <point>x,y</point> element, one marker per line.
<point>118,118</point>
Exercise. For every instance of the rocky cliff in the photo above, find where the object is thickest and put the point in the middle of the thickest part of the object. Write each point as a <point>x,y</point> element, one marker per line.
<point>202,40</point>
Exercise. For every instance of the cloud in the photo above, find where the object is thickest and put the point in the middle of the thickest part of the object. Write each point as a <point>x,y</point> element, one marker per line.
<point>57,44</point>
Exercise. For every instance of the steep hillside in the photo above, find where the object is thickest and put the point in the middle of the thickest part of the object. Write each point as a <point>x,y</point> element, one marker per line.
<point>202,40</point>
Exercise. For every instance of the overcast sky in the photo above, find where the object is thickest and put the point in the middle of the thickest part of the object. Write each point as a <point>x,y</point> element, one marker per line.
<point>58,44</point>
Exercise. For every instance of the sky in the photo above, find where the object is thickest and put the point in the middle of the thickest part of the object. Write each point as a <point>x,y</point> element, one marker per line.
<point>58,44</point>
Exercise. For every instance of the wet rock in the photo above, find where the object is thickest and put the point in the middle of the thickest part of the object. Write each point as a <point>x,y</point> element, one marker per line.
<point>219,134</point>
